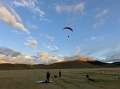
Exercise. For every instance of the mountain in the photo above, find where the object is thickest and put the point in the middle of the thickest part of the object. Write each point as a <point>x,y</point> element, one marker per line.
<point>80,63</point>
<point>116,63</point>
<point>71,64</point>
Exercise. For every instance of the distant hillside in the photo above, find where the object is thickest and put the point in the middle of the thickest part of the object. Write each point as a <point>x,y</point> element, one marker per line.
<point>116,63</point>
<point>79,64</point>
<point>7,66</point>
<point>76,63</point>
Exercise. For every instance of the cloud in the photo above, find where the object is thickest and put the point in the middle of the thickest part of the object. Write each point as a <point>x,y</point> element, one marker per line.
<point>31,43</point>
<point>104,50</point>
<point>70,8</point>
<point>32,26</point>
<point>112,58</point>
<point>10,19</point>
<point>15,14</point>
<point>75,54</point>
<point>11,56</point>
<point>31,4</point>
<point>45,56</point>
<point>93,38</point>
<point>49,38</point>
<point>16,32</point>
<point>53,49</point>
<point>101,20</point>
<point>8,55</point>
<point>99,23</point>
<point>9,52</point>
<point>104,12</point>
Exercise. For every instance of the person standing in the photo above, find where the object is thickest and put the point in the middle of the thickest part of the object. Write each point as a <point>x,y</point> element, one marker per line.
<point>47,76</point>
<point>59,73</point>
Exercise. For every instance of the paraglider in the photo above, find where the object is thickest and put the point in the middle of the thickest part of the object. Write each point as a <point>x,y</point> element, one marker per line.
<point>68,28</point>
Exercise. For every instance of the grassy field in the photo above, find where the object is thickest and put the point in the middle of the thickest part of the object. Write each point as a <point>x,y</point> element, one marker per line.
<point>71,79</point>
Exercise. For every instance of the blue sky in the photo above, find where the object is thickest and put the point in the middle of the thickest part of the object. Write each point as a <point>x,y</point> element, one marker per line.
<point>31,31</point>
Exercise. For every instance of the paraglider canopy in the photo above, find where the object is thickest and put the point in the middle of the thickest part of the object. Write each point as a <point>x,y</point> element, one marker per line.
<point>69,28</point>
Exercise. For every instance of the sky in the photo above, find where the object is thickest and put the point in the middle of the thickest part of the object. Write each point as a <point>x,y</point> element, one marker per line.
<point>31,31</point>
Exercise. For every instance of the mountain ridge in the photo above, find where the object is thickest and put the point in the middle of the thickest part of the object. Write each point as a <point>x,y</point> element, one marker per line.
<point>69,64</point>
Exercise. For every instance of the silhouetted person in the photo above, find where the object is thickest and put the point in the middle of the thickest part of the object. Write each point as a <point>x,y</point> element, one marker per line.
<point>59,73</point>
<point>87,76</point>
<point>47,77</point>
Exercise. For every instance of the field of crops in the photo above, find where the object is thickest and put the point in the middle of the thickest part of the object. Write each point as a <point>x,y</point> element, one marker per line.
<point>71,79</point>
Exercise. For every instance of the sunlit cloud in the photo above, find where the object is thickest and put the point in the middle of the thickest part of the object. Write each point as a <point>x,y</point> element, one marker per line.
<point>49,38</point>
<point>10,19</point>
<point>31,43</point>
<point>11,56</point>
<point>15,14</point>
<point>8,55</point>
<point>45,56</point>
<point>70,8</point>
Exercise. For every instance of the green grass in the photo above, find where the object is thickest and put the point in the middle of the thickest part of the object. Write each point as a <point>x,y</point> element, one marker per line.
<point>71,79</point>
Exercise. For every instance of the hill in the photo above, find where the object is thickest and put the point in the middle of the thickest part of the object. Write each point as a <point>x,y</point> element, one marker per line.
<point>72,64</point>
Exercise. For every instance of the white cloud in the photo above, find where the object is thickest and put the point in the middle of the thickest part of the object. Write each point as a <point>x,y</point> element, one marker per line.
<point>112,58</point>
<point>12,56</point>
<point>23,3</point>
<point>77,52</point>
<point>53,49</point>
<point>70,8</point>
<point>49,38</point>
<point>32,26</point>
<point>99,23</point>
<point>10,19</point>
<point>16,32</point>
<point>31,43</point>
<point>93,38</point>
<point>104,12</point>
<point>31,4</point>
<point>101,20</point>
